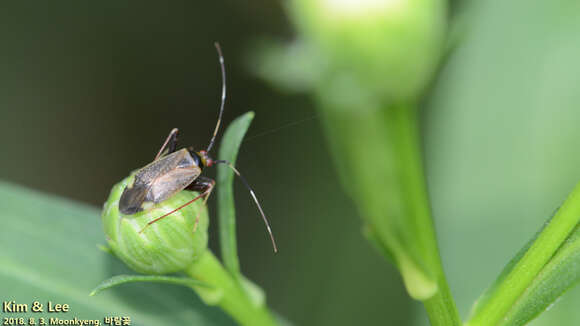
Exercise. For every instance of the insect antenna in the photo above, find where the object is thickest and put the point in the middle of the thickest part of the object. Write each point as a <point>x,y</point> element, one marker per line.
<point>223,100</point>
<point>253,194</point>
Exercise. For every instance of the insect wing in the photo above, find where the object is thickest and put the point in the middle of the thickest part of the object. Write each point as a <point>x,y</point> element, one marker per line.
<point>172,182</point>
<point>158,181</point>
<point>132,199</point>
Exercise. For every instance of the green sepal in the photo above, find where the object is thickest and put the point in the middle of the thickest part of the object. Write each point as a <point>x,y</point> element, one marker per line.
<point>254,292</point>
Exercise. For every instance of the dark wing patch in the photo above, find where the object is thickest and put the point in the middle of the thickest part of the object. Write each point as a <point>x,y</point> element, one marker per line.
<point>132,199</point>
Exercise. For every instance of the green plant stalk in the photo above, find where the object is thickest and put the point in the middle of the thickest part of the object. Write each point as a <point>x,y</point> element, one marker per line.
<point>379,161</point>
<point>403,122</point>
<point>228,293</point>
<point>441,307</point>
<point>497,302</point>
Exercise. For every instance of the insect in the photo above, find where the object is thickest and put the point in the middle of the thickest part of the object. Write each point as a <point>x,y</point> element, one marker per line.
<point>175,170</point>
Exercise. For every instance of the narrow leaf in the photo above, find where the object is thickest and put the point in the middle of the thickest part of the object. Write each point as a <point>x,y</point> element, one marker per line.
<point>225,191</point>
<point>539,273</point>
<point>122,279</point>
<point>558,276</point>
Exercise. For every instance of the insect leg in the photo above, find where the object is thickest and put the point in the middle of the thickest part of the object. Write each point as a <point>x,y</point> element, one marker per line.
<point>204,185</point>
<point>206,192</point>
<point>169,145</point>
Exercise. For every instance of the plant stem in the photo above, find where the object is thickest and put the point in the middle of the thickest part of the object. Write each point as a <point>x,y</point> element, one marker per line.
<point>441,307</point>
<point>403,123</point>
<point>228,293</point>
<point>379,160</point>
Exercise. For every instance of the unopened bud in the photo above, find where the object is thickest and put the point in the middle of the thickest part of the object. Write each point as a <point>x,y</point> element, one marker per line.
<point>169,245</point>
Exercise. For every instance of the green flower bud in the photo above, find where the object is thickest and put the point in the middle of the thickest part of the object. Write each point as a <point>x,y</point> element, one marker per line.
<point>390,47</point>
<point>166,246</point>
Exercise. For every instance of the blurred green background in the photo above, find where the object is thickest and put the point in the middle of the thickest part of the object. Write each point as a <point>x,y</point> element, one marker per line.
<point>88,91</point>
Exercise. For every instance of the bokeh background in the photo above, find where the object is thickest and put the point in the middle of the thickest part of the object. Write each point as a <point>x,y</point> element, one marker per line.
<point>88,92</point>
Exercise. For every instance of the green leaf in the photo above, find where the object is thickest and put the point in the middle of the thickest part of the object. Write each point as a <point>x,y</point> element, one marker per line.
<point>558,276</point>
<point>544,269</point>
<point>122,279</point>
<point>225,191</point>
<point>48,252</point>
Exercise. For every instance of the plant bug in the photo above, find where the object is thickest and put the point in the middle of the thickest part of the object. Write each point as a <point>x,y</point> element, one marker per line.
<point>175,170</point>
